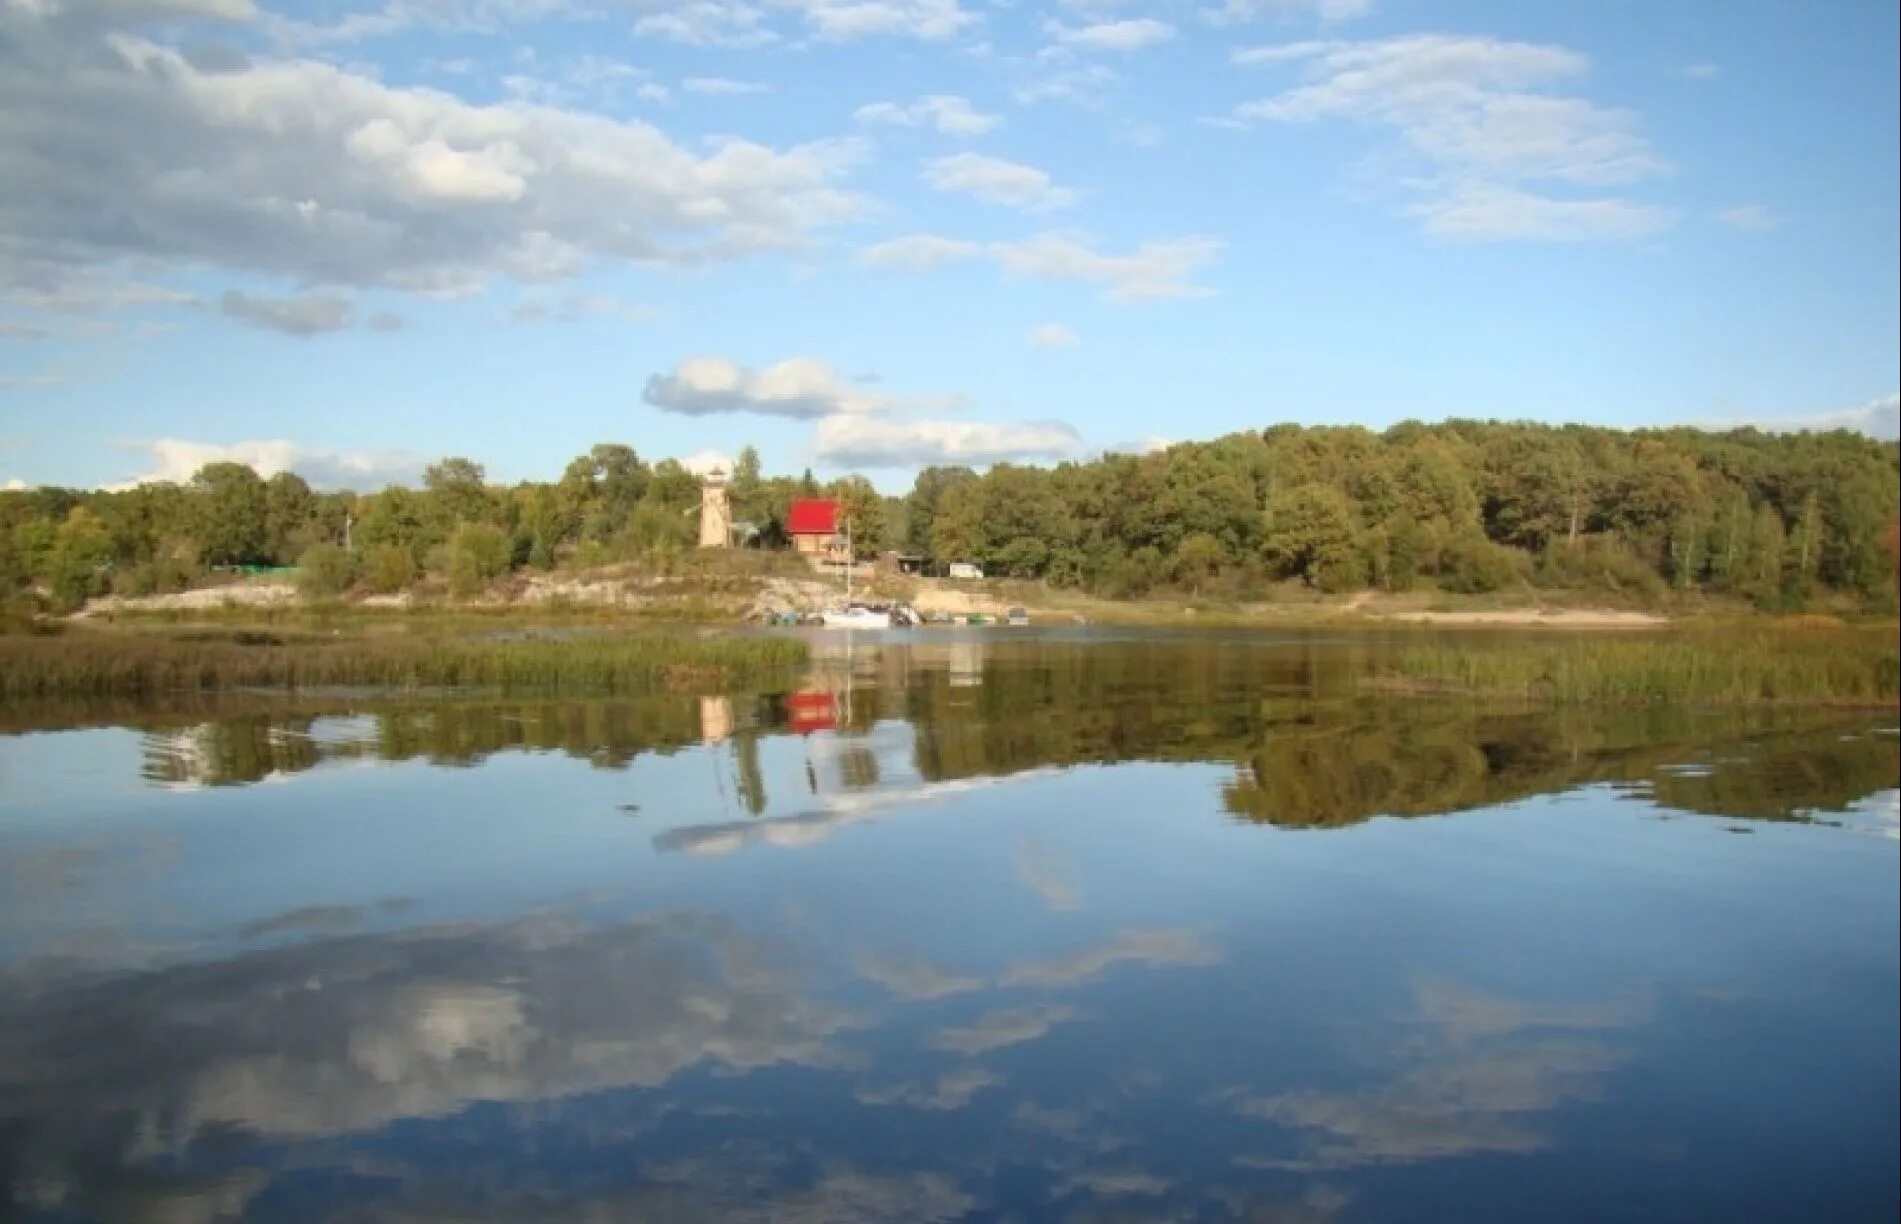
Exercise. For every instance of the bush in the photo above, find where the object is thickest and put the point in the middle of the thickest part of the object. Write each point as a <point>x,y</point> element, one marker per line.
<point>1597,563</point>
<point>325,571</point>
<point>1473,565</point>
<point>477,553</point>
<point>388,568</point>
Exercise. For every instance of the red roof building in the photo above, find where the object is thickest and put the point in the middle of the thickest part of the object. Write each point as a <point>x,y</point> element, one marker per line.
<point>812,516</point>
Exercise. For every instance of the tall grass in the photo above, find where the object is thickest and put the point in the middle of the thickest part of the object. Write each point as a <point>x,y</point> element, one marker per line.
<point>1820,666</point>
<point>94,664</point>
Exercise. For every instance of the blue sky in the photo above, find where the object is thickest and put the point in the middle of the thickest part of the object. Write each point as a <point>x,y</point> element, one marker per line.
<point>869,234</point>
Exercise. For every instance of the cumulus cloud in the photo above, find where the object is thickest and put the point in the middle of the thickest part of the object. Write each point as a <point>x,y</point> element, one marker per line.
<point>177,460</point>
<point>700,462</point>
<point>1749,218</point>
<point>996,181</point>
<point>858,441</point>
<point>801,388</point>
<point>1128,35</point>
<point>308,315</point>
<point>1053,336</point>
<point>1151,272</point>
<point>1469,110</point>
<point>303,169</point>
<point>948,113</point>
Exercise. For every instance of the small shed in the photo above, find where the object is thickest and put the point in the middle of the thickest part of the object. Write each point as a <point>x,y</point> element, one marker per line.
<point>816,529</point>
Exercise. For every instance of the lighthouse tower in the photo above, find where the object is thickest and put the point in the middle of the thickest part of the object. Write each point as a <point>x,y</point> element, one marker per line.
<point>716,512</point>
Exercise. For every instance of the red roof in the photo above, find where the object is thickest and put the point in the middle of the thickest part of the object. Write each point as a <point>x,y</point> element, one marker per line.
<point>812,516</point>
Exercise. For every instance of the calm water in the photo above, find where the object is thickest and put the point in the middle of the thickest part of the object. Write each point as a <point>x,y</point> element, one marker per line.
<point>982,927</point>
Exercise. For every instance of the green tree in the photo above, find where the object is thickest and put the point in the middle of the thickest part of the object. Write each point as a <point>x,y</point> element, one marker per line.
<point>77,562</point>
<point>231,525</point>
<point>289,511</point>
<point>1310,533</point>
<point>325,571</point>
<point>478,552</point>
<point>1198,558</point>
<point>388,568</point>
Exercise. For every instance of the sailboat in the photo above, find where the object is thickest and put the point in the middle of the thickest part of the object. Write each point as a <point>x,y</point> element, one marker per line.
<point>852,615</point>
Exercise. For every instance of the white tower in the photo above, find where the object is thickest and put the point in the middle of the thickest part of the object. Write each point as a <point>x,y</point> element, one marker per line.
<point>716,512</point>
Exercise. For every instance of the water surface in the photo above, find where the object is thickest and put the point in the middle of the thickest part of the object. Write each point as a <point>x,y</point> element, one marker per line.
<point>968,926</point>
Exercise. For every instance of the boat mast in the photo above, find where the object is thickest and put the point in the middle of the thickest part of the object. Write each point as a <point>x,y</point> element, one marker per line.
<point>848,556</point>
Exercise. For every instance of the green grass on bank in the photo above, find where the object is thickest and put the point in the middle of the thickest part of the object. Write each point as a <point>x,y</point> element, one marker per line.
<point>97,664</point>
<point>1739,666</point>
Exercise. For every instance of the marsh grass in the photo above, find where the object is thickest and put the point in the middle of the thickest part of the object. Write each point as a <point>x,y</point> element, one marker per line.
<point>97,664</point>
<point>1818,665</point>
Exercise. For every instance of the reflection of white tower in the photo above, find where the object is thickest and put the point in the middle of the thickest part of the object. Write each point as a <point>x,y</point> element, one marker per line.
<point>716,512</point>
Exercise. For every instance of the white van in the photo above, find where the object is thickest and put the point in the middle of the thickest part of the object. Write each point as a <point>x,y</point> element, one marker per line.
<point>964,569</point>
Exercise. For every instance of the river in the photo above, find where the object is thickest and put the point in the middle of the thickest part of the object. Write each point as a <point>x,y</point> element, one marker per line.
<point>966,925</point>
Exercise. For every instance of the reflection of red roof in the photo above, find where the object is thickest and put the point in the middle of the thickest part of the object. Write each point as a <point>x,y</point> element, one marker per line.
<point>812,516</point>
<point>812,711</point>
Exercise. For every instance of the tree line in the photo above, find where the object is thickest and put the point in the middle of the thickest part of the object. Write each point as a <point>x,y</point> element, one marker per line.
<point>1466,506</point>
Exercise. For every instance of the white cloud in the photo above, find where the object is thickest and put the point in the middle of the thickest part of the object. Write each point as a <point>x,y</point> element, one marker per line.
<point>1701,72</point>
<point>1079,85</point>
<point>708,23</point>
<point>918,252</point>
<point>1128,35</point>
<point>1751,218</point>
<point>1234,11</point>
<point>700,462</point>
<point>996,181</point>
<point>576,307</point>
<point>723,86</point>
<point>1467,109</point>
<point>301,169</point>
<point>10,330</point>
<point>1053,336</point>
<point>1481,212</point>
<point>801,388</point>
<point>846,20</point>
<point>31,382</point>
<point>1878,418</point>
<point>177,460</point>
<point>15,485</point>
<point>874,442</point>
<point>948,113</point>
<point>1151,272</point>
<point>305,316</point>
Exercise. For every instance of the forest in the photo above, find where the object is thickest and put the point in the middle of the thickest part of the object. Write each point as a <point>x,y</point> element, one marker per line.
<point>1460,506</point>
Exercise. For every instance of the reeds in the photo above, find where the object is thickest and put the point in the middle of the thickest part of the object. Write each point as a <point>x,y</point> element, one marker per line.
<point>1817,667</point>
<point>95,664</point>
